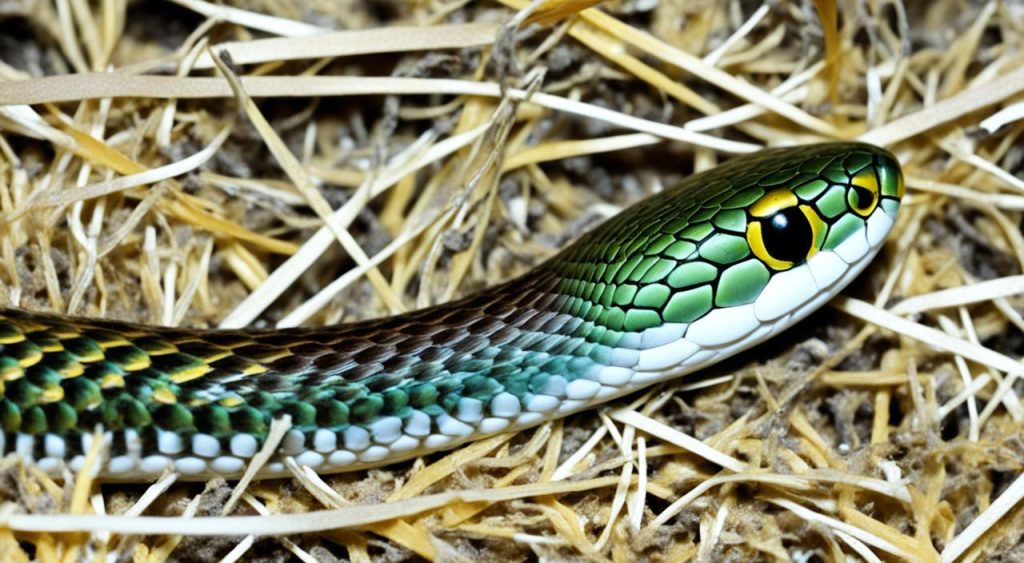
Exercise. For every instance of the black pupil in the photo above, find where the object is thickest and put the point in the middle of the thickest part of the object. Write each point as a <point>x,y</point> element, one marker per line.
<point>787,235</point>
<point>864,197</point>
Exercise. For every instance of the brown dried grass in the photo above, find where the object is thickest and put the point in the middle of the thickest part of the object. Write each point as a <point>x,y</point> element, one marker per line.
<point>194,164</point>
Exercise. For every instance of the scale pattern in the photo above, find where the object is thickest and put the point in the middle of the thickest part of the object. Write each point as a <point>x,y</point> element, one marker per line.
<point>691,275</point>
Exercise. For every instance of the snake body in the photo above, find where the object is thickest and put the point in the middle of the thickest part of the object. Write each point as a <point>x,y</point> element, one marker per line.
<point>689,276</point>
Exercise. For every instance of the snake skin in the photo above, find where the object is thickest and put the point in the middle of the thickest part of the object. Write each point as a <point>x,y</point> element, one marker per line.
<point>665,287</point>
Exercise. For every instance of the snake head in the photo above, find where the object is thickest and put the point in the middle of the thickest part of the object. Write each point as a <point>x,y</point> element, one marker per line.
<point>853,193</point>
<point>751,245</point>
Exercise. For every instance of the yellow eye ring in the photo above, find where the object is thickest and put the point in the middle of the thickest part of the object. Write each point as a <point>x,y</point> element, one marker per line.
<point>818,229</point>
<point>864,193</point>
<point>772,202</point>
<point>755,238</point>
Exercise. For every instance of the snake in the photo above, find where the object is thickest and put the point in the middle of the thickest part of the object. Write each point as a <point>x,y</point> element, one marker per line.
<point>696,273</point>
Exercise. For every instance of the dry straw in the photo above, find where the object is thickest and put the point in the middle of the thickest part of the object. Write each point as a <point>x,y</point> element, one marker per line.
<point>206,164</point>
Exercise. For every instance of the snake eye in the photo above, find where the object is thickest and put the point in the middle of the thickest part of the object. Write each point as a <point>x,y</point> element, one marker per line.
<point>787,235</point>
<point>782,232</point>
<point>863,193</point>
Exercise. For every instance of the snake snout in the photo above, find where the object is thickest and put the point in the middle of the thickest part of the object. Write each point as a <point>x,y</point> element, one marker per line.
<point>890,177</point>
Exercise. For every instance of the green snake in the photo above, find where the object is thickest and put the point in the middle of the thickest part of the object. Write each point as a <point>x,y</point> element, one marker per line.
<point>691,275</point>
